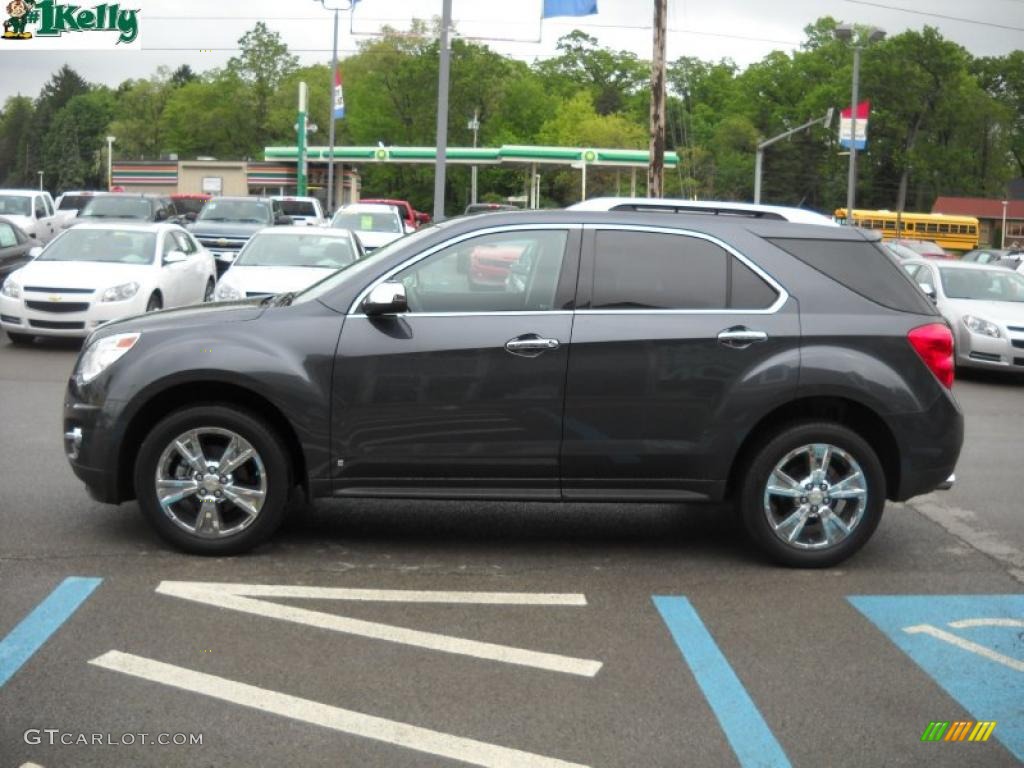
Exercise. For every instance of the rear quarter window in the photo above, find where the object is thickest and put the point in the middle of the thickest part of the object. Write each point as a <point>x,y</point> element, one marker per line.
<point>861,267</point>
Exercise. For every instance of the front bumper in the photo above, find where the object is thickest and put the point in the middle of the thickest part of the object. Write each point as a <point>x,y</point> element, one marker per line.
<point>1005,353</point>
<point>18,317</point>
<point>91,444</point>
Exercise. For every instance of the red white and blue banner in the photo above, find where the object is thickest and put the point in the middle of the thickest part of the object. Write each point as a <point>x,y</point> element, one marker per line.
<point>339,97</point>
<point>860,141</point>
<point>568,8</point>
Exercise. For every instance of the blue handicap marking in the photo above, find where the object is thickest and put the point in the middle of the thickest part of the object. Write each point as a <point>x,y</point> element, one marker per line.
<point>971,645</point>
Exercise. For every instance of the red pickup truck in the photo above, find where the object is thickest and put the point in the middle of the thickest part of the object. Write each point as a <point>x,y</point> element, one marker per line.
<point>410,216</point>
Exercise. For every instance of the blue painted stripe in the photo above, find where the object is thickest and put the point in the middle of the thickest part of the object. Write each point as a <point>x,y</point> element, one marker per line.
<point>748,734</point>
<point>45,619</point>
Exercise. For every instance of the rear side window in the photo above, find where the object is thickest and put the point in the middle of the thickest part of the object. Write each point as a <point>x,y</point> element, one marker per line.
<point>863,268</point>
<point>652,270</point>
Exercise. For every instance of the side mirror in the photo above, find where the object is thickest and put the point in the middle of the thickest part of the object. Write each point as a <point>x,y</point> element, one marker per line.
<point>282,220</point>
<point>32,235</point>
<point>928,290</point>
<point>34,251</point>
<point>386,299</point>
<point>161,214</point>
<point>175,257</point>
<point>190,216</point>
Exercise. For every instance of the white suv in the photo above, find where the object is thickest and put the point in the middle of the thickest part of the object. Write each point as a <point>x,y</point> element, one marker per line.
<point>302,210</point>
<point>712,207</point>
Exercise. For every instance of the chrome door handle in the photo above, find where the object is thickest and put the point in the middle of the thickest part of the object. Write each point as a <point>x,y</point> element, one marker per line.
<point>740,337</point>
<point>534,344</point>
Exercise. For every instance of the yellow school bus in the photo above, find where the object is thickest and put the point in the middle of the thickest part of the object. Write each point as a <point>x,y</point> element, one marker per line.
<point>954,233</point>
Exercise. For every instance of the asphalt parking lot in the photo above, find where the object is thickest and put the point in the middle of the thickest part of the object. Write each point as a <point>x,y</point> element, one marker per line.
<point>409,633</point>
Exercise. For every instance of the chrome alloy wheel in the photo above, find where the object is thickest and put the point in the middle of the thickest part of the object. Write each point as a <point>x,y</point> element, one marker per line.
<point>211,482</point>
<point>815,496</point>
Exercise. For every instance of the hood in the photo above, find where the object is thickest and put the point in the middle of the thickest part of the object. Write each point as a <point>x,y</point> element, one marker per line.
<point>211,229</point>
<point>1000,312</point>
<point>273,279</point>
<point>184,317</point>
<point>96,275</point>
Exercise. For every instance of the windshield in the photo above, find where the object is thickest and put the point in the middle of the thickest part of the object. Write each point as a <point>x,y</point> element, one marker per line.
<point>982,285</point>
<point>111,207</point>
<point>15,206</point>
<point>73,202</point>
<point>273,250</point>
<point>360,268</point>
<point>247,211</point>
<point>298,208</point>
<point>188,204</point>
<point>367,222</point>
<point>106,245</point>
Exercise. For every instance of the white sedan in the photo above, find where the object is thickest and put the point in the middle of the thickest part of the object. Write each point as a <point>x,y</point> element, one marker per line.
<point>375,224</point>
<point>282,259</point>
<point>94,273</point>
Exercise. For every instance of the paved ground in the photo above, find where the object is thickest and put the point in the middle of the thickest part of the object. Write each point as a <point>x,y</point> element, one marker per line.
<point>588,673</point>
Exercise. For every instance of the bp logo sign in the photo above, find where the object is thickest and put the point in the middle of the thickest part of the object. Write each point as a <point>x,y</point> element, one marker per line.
<point>28,19</point>
<point>589,156</point>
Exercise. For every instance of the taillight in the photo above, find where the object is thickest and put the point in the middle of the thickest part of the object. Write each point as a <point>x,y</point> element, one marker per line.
<point>934,344</point>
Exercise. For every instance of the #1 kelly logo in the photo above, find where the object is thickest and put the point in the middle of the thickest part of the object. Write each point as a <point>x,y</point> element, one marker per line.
<point>42,19</point>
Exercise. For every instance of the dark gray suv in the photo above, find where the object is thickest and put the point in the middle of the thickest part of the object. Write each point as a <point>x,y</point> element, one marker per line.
<point>792,369</point>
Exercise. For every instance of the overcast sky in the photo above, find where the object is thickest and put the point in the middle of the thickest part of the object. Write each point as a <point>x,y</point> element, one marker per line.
<point>204,34</point>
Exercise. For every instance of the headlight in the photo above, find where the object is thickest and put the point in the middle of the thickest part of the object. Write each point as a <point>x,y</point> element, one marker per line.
<point>228,292</point>
<point>981,327</point>
<point>120,292</point>
<point>11,289</point>
<point>102,354</point>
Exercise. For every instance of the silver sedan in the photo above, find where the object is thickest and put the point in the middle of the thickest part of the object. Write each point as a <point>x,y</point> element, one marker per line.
<point>983,304</point>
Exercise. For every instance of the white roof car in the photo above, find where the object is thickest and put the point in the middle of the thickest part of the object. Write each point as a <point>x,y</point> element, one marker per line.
<point>374,224</point>
<point>284,259</point>
<point>97,272</point>
<point>665,205</point>
<point>302,210</point>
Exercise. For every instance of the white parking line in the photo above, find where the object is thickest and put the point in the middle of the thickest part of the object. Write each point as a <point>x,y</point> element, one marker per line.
<point>238,597</point>
<point>966,645</point>
<point>336,718</point>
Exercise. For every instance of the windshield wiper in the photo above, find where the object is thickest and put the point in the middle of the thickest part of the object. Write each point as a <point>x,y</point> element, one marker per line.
<point>212,218</point>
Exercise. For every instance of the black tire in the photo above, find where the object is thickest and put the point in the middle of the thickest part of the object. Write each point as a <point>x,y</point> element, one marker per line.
<point>21,339</point>
<point>208,292</point>
<point>154,303</point>
<point>753,488</point>
<point>268,447</point>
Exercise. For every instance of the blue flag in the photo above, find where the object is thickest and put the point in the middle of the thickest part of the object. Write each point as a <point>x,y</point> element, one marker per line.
<point>569,8</point>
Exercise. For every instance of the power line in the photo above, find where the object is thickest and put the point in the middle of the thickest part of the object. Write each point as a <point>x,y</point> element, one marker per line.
<point>936,15</point>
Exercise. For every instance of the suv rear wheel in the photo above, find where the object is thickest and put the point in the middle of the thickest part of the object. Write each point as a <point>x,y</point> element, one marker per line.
<point>813,495</point>
<point>212,480</point>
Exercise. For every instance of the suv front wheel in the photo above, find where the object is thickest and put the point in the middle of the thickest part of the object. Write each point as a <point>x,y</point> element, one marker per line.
<point>212,480</point>
<point>813,495</point>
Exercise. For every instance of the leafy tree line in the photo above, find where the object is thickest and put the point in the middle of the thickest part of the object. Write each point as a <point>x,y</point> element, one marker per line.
<point>942,121</point>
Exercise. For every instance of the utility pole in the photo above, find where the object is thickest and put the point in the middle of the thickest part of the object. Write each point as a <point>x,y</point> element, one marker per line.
<point>656,167</point>
<point>474,126</point>
<point>442,111</point>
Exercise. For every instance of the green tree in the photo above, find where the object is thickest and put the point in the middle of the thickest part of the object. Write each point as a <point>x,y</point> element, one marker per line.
<point>16,121</point>
<point>263,62</point>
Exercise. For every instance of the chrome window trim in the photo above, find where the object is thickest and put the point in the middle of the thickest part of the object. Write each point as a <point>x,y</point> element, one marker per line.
<point>780,301</point>
<point>354,309</point>
<point>513,313</point>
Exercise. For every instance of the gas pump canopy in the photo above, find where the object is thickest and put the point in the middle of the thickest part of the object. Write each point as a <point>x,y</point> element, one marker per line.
<point>505,154</point>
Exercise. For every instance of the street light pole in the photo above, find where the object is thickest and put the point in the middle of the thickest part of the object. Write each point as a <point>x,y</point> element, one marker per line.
<point>759,158</point>
<point>851,181</point>
<point>847,32</point>
<point>110,164</point>
<point>442,111</point>
<point>40,181</point>
<point>331,118</point>
<point>474,126</point>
